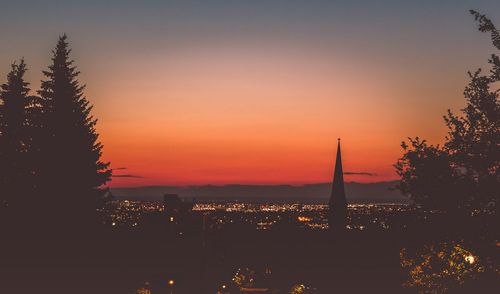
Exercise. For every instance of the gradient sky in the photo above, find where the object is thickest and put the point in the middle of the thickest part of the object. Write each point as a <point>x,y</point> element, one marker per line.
<point>199,92</point>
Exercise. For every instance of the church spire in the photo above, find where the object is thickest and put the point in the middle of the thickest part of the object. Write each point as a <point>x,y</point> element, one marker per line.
<point>338,204</point>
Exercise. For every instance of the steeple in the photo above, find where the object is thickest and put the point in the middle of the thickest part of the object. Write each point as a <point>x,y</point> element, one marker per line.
<point>338,204</point>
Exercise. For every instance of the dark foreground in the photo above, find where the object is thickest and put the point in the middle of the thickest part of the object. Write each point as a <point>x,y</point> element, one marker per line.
<point>427,259</point>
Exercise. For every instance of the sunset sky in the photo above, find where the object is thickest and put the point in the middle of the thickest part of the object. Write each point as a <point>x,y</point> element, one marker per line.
<point>215,92</point>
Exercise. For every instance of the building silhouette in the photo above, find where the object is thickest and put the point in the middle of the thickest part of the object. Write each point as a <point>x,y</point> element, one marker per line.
<point>337,215</point>
<point>176,211</point>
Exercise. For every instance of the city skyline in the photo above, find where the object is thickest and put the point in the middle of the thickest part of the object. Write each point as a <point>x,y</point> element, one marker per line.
<point>191,93</point>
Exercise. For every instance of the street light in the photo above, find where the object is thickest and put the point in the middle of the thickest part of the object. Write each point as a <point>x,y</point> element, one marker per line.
<point>171,284</point>
<point>223,289</point>
<point>470,258</point>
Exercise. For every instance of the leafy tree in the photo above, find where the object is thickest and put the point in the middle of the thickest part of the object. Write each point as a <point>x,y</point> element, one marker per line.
<point>486,25</point>
<point>464,172</point>
<point>473,140</point>
<point>71,171</point>
<point>428,176</point>
<point>14,137</point>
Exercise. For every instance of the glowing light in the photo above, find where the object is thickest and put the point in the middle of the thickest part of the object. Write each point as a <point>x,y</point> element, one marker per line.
<point>431,268</point>
<point>171,282</point>
<point>113,224</point>
<point>171,218</point>
<point>297,289</point>
<point>470,259</point>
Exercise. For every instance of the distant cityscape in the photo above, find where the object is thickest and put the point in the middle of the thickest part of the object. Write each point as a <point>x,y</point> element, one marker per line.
<point>225,215</point>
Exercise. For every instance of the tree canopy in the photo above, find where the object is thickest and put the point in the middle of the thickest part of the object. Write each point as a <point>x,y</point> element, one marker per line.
<point>49,147</point>
<point>71,152</point>
<point>14,134</point>
<point>464,173</point>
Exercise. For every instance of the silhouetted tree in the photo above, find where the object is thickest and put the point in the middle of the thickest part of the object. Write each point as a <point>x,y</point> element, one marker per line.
<point>429,177</point>
<point>71,171</point>
<point>15,169</point>
<point>486,25</point>
<point>473,140</point>
<point>465,173</point>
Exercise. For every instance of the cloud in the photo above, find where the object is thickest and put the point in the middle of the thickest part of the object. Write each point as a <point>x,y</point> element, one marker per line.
<point>361,174</point>
<point>127,176</point>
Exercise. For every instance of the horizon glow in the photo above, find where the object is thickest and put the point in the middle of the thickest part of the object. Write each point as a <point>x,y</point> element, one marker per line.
<point>248,92</point>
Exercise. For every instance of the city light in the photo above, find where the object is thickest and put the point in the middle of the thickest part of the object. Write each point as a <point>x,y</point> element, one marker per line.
<point>470,259</point>
<point>263,216</point>
<point>304,219</point>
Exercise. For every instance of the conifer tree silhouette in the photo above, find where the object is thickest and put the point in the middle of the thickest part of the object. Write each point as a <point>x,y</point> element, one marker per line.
<point>15,169</point>
<point>71,169</point>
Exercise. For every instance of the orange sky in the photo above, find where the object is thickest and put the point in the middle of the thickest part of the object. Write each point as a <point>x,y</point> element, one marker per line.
<point>262,117</point>
<point>215,92</point>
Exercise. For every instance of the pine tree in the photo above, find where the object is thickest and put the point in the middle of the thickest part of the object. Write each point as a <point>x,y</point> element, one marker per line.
<point>15,171</point>
<point>71,168</point>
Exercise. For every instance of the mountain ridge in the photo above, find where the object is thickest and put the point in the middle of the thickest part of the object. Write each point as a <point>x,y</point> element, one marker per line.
<point>376,192</point>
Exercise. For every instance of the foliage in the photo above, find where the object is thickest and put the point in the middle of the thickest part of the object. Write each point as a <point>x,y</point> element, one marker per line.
<point>49,148</point>
<point>301,289</point>
<point>465,172</point>
<point>437,267</point>
<point>71,151</point>
<point>146,289</point>
<point>15,143</point>
<point>427,174</point>
<point>485,25</point>
<point>244,277</point>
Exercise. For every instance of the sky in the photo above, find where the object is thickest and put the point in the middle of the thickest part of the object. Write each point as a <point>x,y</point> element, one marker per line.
<point>256,92</point>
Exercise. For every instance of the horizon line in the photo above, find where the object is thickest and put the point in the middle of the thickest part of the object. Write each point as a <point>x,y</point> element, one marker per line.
<point>248,184</point>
